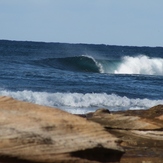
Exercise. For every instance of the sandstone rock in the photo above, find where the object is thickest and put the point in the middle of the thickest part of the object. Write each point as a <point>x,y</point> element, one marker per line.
<point>141,132</point>
<point>160,117</point>
<point>150,113</point>
<point>121,121</point>
<point>34,133</point>
<point>101,111</point>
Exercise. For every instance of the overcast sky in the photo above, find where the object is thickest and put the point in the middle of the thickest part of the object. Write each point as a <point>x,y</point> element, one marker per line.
<point>113,22</point>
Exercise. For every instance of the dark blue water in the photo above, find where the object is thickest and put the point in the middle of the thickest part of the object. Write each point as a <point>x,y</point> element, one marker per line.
<point>81,77</point>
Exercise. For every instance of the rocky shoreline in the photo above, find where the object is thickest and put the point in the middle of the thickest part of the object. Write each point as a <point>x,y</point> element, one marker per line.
<point>141,132</point>
<point>32,133</point>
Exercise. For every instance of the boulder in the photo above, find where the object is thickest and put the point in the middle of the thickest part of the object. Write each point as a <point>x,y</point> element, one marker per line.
<point>34,133</point>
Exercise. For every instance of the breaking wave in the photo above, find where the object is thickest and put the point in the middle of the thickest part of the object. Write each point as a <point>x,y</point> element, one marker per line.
<point>140,65</point>
<point>76,63</point>
<point>79,103</point>
<point>126,65</point>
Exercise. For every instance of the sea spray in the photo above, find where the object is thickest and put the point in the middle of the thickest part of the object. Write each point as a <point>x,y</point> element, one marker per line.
<point>140,65</point>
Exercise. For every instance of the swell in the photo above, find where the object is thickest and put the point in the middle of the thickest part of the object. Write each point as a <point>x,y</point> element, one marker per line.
<point>140,64</point>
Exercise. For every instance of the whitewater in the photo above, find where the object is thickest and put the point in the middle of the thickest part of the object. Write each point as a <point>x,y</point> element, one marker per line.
<point>78,103</point>
<point>81,78</point>
<point>140,64</point>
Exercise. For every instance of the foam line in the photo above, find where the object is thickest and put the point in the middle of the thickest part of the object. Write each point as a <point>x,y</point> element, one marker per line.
<point>81,103</point>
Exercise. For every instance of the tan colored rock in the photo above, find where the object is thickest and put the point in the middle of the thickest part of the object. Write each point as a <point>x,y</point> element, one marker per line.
<point>150,113</point>
<point>121,121</point>
<point>101,111</point>
<point>43,134</point>
<point>160,117</point>
<point>141,132</point>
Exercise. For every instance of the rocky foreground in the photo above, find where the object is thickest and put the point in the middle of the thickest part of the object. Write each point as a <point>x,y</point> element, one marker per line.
<point>141,132</point>
<point>31,133</point>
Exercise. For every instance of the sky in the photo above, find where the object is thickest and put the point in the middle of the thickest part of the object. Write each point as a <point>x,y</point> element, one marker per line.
<point>111,22</point>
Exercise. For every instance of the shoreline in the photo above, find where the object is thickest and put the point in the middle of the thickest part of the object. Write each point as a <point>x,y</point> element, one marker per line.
<point>35,133</point>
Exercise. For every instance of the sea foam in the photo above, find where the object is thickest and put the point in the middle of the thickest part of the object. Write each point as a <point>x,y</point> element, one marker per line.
<point>81,103</point>
<point>140,65</point>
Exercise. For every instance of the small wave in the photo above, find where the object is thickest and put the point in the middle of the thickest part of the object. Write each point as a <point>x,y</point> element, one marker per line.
<point>82,103</point>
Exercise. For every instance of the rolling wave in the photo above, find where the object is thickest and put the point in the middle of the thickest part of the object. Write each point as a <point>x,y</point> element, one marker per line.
<point>81,103</point>
<point>126,65</point>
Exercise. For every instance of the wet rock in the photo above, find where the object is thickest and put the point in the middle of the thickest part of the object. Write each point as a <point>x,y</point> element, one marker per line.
<point>34,133</point>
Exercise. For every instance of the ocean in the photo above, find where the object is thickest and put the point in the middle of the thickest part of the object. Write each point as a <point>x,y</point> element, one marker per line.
<point>80,78</point>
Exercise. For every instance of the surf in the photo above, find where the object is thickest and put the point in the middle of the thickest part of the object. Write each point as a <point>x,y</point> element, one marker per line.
<point>81,103</point>
<point>134,65</point>
<point>140,65</point>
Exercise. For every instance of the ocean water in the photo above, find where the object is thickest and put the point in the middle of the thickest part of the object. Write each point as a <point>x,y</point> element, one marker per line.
<point>81,78</point>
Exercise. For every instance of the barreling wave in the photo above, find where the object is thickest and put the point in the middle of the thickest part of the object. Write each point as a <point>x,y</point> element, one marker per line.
<point>77,63</point>
<point>81,103</point>
<point>81,63</point>
<point>132,65</point>
<point>126,65</point>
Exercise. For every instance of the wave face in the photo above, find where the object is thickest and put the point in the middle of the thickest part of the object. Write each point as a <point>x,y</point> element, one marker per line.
<point>80,103</point>
<point>77,63</point>
<point>81,63</point>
